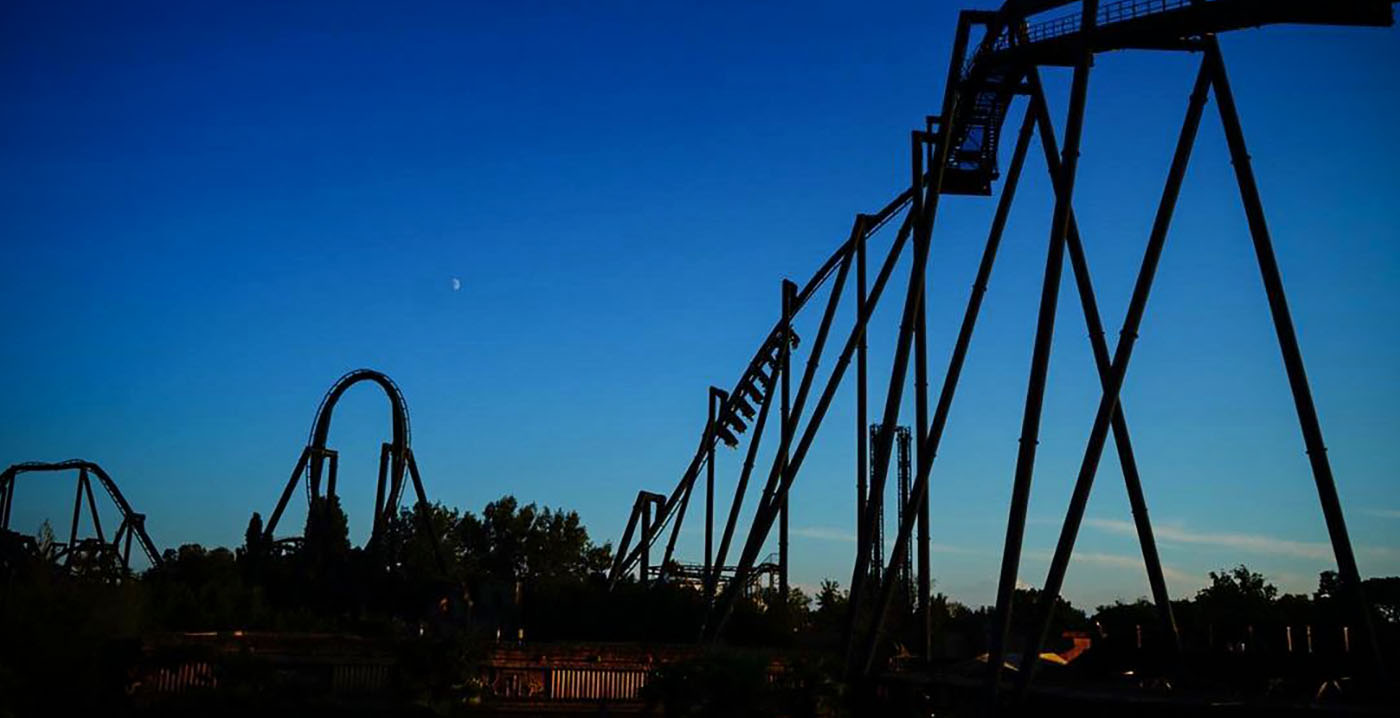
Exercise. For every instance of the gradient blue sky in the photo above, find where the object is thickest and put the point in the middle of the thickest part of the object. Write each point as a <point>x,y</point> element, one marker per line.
<point>212,210</point>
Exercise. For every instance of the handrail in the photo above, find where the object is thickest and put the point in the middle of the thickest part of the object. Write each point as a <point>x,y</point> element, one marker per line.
<point>1068,24</point>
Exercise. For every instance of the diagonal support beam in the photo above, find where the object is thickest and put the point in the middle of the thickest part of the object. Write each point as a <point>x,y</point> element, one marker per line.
<point>782,480</point>
<point>925,584</point>
<point>1292,354</point>
<point>1126,456</point>
<point>862,391</point>
<point>92,508</point>
<point>750,456</point>
<point>380,514</point>
<point>928,449</point>
<point>676,526</point>
<point>785,415</point>
<point>1040,354</point>
<point>626,540</point>
<point>77,514</point>
<point>1113,384</point>
<point>286,494</point>
<point>424,512</point>
<point>924,212</point>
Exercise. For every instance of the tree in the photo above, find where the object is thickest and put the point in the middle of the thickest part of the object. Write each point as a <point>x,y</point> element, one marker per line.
<point>403,543</point>
<point>253,553</point>
<point>830,597</point>
<point>511,542</point>
<point>46,541</point>
<point>253,535</point>
<point>324,559</point>
<point>1236,600</point>
<point>1238,584</point>
<point>1329,585</point>
<point>326,539</point>
<point>1384,595</point>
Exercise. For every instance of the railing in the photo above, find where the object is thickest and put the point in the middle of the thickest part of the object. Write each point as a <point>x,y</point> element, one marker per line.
<point>592,684</point>
<point>1068,24</point>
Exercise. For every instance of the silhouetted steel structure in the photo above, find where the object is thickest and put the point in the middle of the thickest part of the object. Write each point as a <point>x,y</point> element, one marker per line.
<point>955,153</point>
<point>764,575</point>
<point>903,440</point>
<point>132,526</point>
<point>396,459</point>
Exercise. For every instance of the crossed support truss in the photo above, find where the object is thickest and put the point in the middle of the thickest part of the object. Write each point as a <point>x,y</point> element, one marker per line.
<point>955,154</point>
<point>1110,416</point>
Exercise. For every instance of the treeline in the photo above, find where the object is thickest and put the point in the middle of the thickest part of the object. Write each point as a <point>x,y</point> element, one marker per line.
<point>425,569</point>
<point>458,582</point>
<point>1239,612</point>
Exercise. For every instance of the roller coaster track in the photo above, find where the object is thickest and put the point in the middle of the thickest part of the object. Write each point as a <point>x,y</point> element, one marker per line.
<point>133,524</point>
<point>751,389</point>
<point>956,154</point>
<point>1019,37</point>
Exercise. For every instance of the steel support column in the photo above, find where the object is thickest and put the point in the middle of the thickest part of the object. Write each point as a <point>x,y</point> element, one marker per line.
<point>424,509</point>
<point>862,392</point>
<point>380,512</point>
<point>921,422</point>
<point>1123,443</point>
<point>77,513</point>
<point>332,472</point>
<point>924,211</point>
<point>1040,355</point>
<point>286,494</point>
<point>645,507</point>
<point>397,460</point>
<point>928,448</point>
<point>1113,384</point>
<point>782,480</point>
<point>92,507</point>
<point>626,540</point>
<point>680,519</point>
<point>767,498</point>
<point>710,492</point>
<point>925,579</point>
<point>789,294</point>
<point>6,488</point>
<point>1288,346</point>
<point>924,204</point>
<point>750,456</point>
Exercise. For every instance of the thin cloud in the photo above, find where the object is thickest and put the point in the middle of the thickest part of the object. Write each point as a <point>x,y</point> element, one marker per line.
<point>827,533</point>
<point>824,533</point>
<point>1253,543</point>
<point>1122,561</point>
<point>1383,513</point>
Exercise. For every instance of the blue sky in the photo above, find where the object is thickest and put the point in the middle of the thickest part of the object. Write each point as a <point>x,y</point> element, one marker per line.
<point>213,211</point>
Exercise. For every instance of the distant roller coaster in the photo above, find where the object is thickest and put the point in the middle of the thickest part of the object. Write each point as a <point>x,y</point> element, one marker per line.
<point>94,548</point>
<point>396,458</point>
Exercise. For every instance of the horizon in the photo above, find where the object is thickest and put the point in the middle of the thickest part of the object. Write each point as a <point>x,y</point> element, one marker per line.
<point>555,241</point>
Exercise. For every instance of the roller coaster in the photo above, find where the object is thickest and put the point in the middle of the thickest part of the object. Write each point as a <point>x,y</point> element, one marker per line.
<point>956,153</point>
<point>92,550</point>
<point>396,461</point>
